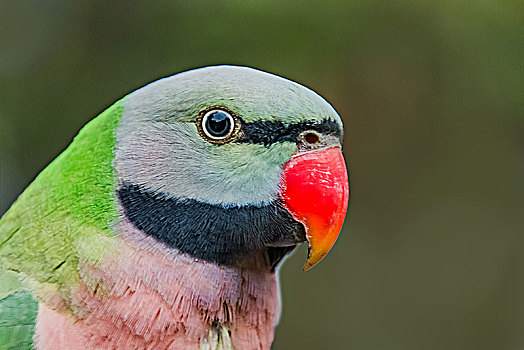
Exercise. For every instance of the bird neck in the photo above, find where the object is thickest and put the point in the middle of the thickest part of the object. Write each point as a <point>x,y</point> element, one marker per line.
<point>149,295</point>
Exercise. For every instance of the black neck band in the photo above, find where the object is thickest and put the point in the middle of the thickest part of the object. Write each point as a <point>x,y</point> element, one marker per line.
<point>207,231</point>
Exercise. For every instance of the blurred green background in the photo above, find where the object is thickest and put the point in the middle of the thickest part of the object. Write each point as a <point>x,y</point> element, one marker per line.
<point>431,93</point>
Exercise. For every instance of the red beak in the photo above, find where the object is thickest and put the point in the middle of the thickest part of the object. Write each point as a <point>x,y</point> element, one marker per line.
<point>315,190</point>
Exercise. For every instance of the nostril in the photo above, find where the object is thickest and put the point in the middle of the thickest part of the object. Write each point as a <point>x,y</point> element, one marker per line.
<point>311,138</point>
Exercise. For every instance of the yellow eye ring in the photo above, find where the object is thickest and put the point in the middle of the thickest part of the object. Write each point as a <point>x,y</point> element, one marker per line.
<point>218,125</point>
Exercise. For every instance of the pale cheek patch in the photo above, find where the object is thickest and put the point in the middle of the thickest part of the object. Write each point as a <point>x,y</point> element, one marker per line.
<point>174,159</point>
<point>248,173</point>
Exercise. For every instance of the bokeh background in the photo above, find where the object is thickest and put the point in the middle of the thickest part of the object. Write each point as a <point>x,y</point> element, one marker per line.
<point>431,93</point>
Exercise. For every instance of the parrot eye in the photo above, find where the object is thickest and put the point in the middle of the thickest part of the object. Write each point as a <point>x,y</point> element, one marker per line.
<point>217,125</point>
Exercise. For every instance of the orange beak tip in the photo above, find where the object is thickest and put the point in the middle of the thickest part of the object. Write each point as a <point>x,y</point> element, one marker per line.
<point>311,260</point>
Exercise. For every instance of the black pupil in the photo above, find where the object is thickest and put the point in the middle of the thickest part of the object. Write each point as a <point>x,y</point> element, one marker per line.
<point>218,124</point>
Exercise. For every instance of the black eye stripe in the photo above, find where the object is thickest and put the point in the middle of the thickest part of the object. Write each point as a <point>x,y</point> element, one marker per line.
<point>269,132</point>
<point>261,132</point>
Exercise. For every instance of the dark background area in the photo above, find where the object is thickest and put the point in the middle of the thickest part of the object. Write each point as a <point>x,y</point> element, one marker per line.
<point>431,93</point>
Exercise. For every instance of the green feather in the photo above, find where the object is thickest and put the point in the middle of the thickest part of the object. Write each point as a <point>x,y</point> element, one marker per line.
<point>17,321</point>
<point>65,213</point>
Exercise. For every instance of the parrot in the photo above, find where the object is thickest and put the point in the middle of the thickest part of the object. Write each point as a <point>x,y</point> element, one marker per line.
<point>164,223</point>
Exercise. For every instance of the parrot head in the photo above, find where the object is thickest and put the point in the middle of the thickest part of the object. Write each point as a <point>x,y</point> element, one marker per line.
<point>223,162</point>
